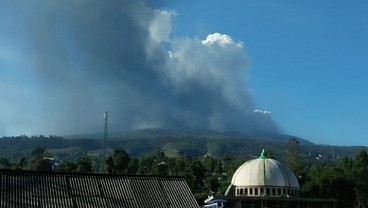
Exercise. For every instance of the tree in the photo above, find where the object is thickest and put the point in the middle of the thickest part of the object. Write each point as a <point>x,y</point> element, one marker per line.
<point>211,184</point>
<point>359,171</point>
<point>210,163</point>
<point>158,156</point>
<point>66,166</point>
<point>197,175</point>
<point>38,162</point>
<point>330,182</point>
<point>294,160</point>
<point>229,165</point>
<point>180,167</point>
<point>118,162</point>
<point>84,165</point>
<point>346,165</point>
<point>38,151</point>
<point>219,170</point>
<point>312,188</point>
<point>19,164</point>
<point>4,163</point>
<point>160,169</point>
<point>269,154</point>
<point>145,165</point>
<point>133,166</point>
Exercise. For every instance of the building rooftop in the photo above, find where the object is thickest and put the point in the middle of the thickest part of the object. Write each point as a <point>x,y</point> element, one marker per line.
<point>264,171</point>
<point>79,190</point>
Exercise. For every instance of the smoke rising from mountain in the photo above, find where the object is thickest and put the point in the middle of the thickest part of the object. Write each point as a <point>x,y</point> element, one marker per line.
<point>88,56</point>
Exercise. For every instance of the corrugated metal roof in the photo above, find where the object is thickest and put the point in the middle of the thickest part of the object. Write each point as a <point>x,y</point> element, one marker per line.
<point>83,190</point>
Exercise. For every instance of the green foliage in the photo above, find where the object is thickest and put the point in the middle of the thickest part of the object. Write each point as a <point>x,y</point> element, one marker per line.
<point>19,164</point>
<point>205,158</point>
<point>118,162</point>
<point>196,175</point>
<point>4,163</point>
<point>347,181</point>
<point>219,168</point>
<point>192,142</point>
<point>359,173</point>
<point>212,184</point>
<point>145,165</point>
<point>210,163</point>
<point>224,184</point>
<point>330,182</point>
<point>38,151</point>
<point>66,166</point>
<point>84,165</point>
<point>230,164</point>
<point>14,148</point>
<point>180,166</point>
<point>133,166</point>
<point>294,160</point>
<point>160,169</point>
<point>269,154</point>
<point>38,163</point>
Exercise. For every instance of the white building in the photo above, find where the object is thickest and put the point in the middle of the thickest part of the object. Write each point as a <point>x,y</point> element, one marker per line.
<point>265,177</point>
<point>266,183</point>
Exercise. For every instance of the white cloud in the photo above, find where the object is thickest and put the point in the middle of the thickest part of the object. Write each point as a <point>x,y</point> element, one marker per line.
<point>262,112</point>
<point>221,39</point>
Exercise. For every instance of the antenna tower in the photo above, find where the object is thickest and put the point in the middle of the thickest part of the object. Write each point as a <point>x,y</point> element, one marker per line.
<point>106,133</point>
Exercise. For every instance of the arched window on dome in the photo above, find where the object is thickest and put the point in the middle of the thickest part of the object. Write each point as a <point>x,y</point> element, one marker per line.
<point>261,192</point>
<point>284,192</point>
<point>246,192</point>
<point>256,191</point>
<point>250,191</point>
<point>279,192</point>
<point>273,191</point>
<point>237,192</point>
<point>267,191</point>
<point>241,192</point>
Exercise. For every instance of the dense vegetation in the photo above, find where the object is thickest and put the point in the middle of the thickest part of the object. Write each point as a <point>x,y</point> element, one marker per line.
<point>206,159</point>
<point>191,142</point>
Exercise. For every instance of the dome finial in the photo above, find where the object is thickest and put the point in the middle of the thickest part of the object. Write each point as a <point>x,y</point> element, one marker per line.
<point>263,154</point>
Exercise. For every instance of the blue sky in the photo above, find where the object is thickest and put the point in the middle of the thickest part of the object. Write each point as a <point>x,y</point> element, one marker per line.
<point>309,60</point>
<point>305,62</point>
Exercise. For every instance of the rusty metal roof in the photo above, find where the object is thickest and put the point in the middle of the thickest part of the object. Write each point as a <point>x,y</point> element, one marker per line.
<point>92,190</point>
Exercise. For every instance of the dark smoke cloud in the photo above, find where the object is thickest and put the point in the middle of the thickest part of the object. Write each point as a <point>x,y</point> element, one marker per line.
<point>89,56</point>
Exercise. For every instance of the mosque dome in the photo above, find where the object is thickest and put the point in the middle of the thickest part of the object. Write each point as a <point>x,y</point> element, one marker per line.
<point>264,177</point>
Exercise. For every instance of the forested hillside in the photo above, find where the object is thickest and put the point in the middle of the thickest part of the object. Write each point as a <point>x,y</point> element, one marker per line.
<point>206,159</point>
<point>172,141</point>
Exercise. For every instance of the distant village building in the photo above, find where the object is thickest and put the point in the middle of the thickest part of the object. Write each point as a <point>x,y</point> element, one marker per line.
<point>265,183</point>
<point>29,189</point>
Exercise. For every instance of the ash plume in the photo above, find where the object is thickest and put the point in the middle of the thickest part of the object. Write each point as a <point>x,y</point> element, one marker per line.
<point>89,56</point>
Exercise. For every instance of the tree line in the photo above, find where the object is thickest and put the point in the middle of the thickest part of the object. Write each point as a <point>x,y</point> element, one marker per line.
<point>193,143</point>
<point>345,180</point>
